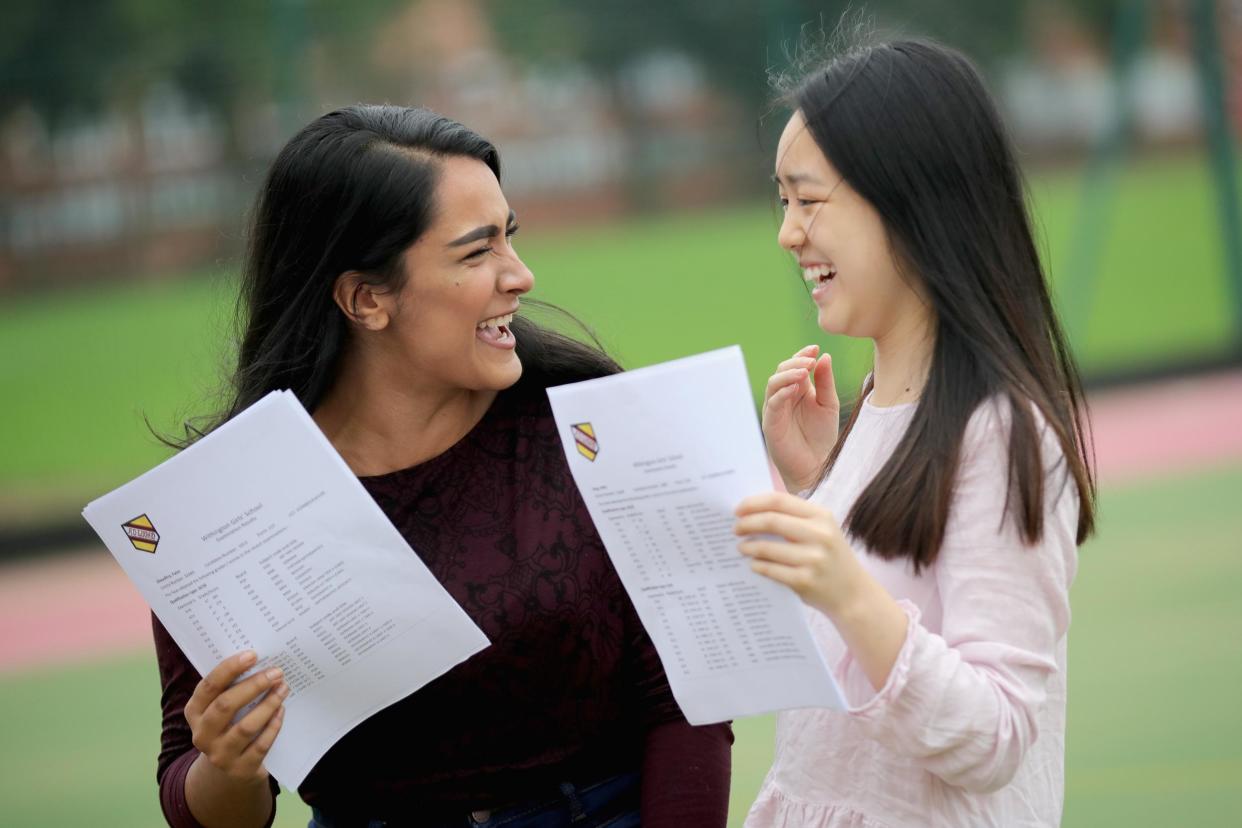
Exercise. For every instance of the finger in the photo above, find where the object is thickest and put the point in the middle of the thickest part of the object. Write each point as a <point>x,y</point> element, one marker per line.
<point>778,411</point>
<point>793,529</point>
<point>825,384</point>
<point>780,502</point>
<point>797,377</point>
<point>794,577</point>
<point>775,401</point>
<point>218,681</point>
<point>788,554</point>
<point>807,350</point>
<point>220,713</point>
<point>250,726</point>
<point>806,363</point>
<point>259,748</point>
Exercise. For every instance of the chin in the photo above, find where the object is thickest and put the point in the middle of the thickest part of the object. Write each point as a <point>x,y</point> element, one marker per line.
<point>829,324</point>
<point>505,376</point>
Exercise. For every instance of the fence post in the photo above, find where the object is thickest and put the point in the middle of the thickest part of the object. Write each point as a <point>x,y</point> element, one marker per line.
<point>1220,146</point>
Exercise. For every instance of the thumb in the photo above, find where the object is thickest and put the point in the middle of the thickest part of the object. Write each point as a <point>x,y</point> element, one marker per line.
<point>825,383</point>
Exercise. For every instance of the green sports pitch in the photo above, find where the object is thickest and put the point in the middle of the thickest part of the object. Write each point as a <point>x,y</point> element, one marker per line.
<point>1154,723</point>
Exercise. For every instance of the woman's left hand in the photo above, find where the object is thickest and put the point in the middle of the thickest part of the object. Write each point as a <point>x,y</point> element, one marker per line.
<point>807,552</point>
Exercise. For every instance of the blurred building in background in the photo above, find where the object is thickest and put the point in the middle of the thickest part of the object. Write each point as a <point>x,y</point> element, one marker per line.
<point>599,108</point>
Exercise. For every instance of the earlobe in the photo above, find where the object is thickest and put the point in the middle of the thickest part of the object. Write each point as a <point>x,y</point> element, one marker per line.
<point>361,300</point>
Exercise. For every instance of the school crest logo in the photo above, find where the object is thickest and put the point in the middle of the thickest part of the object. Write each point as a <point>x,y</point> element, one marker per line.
<point>141,533</point>
<point>585,440</point>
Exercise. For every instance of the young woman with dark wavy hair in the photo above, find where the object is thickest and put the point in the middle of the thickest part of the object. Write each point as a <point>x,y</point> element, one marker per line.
<point>382,287</point>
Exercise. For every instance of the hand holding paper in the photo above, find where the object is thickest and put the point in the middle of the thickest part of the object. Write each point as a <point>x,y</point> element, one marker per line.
<point>662,455</point>
<point>237,745</point>
<point>260,537</point>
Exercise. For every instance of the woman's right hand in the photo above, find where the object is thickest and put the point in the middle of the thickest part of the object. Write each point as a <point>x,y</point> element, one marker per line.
<point>801,416</point>
<point>237,749</point>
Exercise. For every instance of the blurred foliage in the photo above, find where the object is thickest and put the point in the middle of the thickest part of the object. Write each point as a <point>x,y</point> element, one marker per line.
<point>739,42</point>
<point>67,57</point>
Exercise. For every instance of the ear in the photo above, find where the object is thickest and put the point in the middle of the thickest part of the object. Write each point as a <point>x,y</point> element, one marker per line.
<point>365,304</point>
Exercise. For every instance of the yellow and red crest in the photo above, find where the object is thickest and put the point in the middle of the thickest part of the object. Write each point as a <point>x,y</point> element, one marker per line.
<point>141,533</point>
<point>585,440</point>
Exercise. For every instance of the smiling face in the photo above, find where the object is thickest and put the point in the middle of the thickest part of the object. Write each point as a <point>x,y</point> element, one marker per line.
<point>449,325</point>
<point>839,241</point>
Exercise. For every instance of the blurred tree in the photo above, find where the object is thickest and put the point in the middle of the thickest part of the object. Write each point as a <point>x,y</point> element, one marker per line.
<point>48,49</point>
<point>737,41</point>
<point>67,57</point>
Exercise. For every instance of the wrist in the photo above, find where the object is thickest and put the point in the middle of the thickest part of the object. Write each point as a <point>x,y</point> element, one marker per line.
<point>873,626</point>
<point>856,601</point>
<point>796,482</point>
<point>214,797</point>
<point>796,486</point>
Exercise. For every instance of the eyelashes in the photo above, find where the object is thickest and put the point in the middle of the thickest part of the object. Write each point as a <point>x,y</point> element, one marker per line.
<point>510,232</point>
<point>802,202</point>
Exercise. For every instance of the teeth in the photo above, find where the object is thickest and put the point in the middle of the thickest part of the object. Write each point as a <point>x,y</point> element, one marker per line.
<point>818,273</point>
<point>496,321</point>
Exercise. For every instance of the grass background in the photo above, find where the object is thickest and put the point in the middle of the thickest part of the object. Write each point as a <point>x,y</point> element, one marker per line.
<point>1155,662</point>
<point>81,370</point>
<point>1155,733</point>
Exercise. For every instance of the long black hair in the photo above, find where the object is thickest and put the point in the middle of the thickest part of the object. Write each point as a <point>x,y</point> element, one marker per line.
<point>911,127</point>
<point>352,191</point>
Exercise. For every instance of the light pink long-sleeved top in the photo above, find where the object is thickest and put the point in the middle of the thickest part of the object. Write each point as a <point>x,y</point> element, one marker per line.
<point>969,729</point>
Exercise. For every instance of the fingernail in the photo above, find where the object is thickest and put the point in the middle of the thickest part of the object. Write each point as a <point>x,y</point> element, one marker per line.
<point>282,690</point>
<point>248,658</point>
<point>274,674</point>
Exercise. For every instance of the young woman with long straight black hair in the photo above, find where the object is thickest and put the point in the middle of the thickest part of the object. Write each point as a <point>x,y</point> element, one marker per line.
<point>937,539</point>
<point>383,289</point>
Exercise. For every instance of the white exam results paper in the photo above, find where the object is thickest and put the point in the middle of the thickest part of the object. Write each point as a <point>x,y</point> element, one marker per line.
<point>662,455</point>
<point>260,537</point>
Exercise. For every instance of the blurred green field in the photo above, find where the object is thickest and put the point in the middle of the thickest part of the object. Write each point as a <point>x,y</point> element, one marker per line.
<point>1154,724</point>
<point>81,369</point>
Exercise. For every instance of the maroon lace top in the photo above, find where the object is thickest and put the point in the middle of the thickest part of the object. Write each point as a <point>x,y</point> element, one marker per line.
<point>571,688</point>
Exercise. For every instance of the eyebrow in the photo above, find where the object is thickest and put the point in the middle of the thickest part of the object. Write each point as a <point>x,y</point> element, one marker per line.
<point>796,178</point>
<point>484,232</point>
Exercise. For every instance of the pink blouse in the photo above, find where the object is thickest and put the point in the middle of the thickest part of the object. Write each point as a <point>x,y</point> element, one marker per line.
<point>969,729</point>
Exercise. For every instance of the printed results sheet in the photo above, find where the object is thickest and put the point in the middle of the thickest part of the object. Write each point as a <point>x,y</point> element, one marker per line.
<point>260,537</point>
<point>662,455</point>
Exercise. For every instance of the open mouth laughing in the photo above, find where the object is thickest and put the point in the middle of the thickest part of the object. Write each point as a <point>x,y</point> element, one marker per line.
<point>496,331</point>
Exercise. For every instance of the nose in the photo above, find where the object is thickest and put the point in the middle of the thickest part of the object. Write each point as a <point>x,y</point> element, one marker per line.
<point>516,277</point>
<point>792,234</point>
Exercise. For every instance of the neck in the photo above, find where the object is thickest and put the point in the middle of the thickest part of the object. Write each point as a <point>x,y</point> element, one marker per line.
<point>902,359</point>
<point>379,424</point>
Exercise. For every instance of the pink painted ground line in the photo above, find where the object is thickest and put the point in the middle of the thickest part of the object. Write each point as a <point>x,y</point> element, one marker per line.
<point>71,608</point>
<point>81,606</point>
<point>1175,426</point>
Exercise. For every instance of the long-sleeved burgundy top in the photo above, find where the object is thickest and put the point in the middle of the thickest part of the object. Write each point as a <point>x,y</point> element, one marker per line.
<point>571,688</point>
